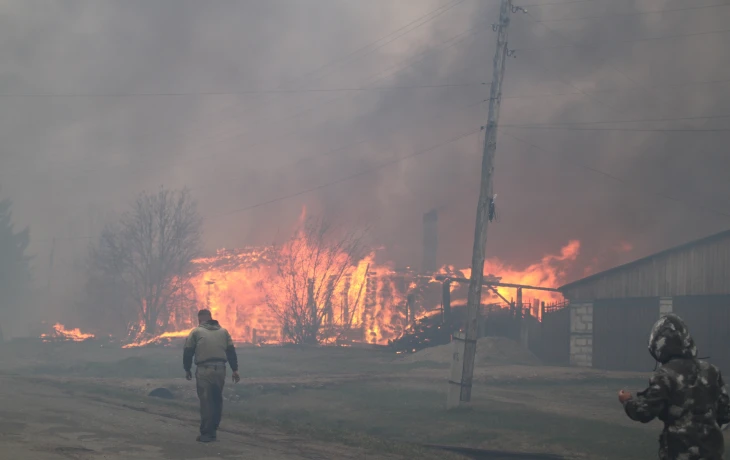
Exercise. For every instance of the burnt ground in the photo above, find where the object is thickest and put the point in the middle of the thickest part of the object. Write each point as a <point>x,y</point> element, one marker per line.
<point>86,401</point>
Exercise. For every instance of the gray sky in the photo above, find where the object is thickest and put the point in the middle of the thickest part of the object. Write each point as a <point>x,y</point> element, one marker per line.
<point>102,99</point>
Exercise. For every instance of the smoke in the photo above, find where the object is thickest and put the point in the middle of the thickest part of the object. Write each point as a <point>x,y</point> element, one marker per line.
<point>181,101</point>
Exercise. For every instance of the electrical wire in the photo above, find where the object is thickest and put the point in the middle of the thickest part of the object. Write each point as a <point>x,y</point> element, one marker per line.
<point>622,181</point>
<point>642,130</point>
<point>636,120</point>
<point>314,157</point>
<point>632,40</point>
<point>356,175</point>
<point>639,13</point>
<point>449,43</point>
<point>234,93</point>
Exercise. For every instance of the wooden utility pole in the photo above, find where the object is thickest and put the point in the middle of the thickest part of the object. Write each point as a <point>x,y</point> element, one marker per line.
<point>485,207</point>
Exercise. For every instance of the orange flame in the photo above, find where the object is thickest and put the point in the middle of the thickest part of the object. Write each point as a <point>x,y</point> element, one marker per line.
<point>373,296</point>
<point>363,304</point>
<point>548,272</point>
<point>157,339</point>
<point>61,333</point>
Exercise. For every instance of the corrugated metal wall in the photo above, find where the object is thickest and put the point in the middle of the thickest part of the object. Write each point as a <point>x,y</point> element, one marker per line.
<point>621,329</point>
<point>708,319</point>
<point>699,269</point>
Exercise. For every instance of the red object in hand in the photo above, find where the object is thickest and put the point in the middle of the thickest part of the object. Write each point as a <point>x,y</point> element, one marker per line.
<point>623,396</point>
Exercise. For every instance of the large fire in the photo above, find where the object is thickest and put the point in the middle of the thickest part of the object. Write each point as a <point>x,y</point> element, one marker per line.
<point>368,303</point>
<point>548,272</point>
<point>369,300</point>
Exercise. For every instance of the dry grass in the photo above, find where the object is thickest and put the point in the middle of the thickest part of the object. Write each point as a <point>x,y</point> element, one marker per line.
<point>372,398</point>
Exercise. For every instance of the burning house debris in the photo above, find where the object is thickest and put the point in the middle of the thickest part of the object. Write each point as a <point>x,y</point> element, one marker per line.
<point>360,302</point>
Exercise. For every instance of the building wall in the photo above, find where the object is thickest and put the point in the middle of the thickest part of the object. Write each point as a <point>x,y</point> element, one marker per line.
<point>702,268</point>
<point>581,335</point>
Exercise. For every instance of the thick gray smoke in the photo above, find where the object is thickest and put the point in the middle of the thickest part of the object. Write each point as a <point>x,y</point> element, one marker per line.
<point>105,98</point>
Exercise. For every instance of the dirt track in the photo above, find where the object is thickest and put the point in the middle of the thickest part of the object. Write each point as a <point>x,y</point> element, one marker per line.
<point>42,422</point>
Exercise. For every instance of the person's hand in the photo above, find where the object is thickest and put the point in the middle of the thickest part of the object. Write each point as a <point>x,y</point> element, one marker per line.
<point>188,375</point>
<point>235,377</point>
<point>623,396</point>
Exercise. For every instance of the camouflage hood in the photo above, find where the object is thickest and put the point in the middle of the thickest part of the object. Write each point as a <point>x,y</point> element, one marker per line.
<point>670,339</point>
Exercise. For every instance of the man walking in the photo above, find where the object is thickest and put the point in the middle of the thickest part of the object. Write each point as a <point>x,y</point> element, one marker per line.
<point>212,346</point>
<point>685,393</point>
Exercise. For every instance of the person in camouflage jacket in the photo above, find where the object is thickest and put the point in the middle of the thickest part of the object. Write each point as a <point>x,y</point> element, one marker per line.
<point>685,393</point>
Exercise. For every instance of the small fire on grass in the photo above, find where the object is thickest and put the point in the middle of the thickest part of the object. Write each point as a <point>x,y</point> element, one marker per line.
<point>60,333</point>
<point>158,340</point>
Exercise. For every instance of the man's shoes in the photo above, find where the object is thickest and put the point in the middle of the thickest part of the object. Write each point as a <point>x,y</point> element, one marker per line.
<point>205,438</point>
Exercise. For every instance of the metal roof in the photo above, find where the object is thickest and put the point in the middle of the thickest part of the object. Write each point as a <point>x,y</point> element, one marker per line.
<point>707,239</point>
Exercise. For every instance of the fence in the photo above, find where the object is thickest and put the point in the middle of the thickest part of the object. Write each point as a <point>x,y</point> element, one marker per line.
<point>552,344</point>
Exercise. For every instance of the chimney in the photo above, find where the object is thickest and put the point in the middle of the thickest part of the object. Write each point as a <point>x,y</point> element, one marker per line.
<point>430,241</point>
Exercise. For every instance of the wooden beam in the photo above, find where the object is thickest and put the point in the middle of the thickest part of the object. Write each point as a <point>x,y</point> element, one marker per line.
<point>501,296</point>
<point>499,284</point>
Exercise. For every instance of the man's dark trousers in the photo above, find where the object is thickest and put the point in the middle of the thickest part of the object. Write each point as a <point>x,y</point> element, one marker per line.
<point>210,379</point>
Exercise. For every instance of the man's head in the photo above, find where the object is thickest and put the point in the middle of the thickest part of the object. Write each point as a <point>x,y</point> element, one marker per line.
<point>204,315</point>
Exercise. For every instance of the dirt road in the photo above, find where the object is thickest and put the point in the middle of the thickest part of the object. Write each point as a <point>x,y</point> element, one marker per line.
<point>39,421</point>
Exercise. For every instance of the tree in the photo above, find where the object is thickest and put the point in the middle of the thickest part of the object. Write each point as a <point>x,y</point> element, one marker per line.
<point>147,255</point>
<point>15,272</point>
<point>319,283</point>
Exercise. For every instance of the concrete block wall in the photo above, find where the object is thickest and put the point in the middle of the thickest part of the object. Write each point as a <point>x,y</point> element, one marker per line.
<point>665,306</point>
<point>581,334</point>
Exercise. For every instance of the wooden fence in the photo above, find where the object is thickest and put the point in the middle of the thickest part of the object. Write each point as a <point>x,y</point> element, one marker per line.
<point>552,344</point>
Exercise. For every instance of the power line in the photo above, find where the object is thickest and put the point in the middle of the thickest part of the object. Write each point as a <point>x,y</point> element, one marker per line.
<point>348,146</point>
<point>61,238</point>
<point>616,90</point>
<point>456,39</point>
<point>597,171</point>
<point>234,93</point>
<point>636,120</point>
<point>356,175</point>
<point>633,40</point>
<point>375,77</point>
<point>567,2</point>
<point>619,71</point>
<point>436,13</point>
<point>331,183</point>
<point>640,13</point>
<point>646,130</point>
<point>621,180</point>
<point>392,36</point>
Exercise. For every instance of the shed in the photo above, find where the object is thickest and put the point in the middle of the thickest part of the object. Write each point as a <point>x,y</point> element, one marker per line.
<point>611,312</point>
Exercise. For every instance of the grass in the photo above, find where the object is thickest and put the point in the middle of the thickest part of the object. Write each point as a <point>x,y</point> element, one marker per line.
<point>419,416</point>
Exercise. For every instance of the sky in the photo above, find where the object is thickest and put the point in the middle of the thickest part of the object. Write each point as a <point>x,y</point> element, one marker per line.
<point>369,112</point>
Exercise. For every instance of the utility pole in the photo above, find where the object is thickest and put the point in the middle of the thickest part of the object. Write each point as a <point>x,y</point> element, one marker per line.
<point>485,207</point>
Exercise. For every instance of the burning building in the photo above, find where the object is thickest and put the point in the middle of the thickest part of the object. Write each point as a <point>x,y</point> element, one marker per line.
<point>312,291</point>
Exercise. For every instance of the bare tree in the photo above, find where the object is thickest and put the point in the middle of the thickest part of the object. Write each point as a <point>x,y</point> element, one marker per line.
<point>148,253</point>
<point>319,283</point>
<point>15,272</point>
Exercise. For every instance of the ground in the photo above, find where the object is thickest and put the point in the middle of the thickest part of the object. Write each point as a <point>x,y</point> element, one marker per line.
<point>89,401</point>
